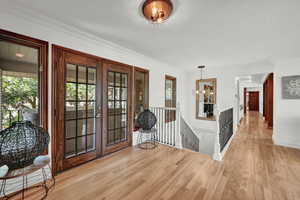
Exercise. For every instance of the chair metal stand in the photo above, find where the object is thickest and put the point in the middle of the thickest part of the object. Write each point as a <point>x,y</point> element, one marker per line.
<point>151,139</point>
<point>24,173</point>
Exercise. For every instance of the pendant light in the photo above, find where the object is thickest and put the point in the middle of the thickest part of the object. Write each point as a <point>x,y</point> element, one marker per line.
<point>201,67</point>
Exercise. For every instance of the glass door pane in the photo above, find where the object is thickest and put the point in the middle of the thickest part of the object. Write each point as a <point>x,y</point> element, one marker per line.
<point>80,110</point>
<point>170,98</point>
<point>77,103</point>
<point>19,84</point>
<point>117,107</point>
<point>141,93</point>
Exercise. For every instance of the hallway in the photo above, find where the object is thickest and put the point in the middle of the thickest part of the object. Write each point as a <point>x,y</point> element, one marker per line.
<point>257,169</point>
<point>253,169</point>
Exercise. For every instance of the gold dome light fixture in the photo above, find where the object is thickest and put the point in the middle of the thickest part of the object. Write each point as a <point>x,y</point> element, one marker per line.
<point>157,11</point>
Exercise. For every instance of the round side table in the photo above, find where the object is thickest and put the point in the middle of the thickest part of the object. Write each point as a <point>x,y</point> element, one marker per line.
<point>24,172</point>
<point>147,139</point>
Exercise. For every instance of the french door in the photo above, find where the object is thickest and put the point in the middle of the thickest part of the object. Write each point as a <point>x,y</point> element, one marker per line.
<point>92,107</point>
<point>117,106</point>
<point>77,108</point>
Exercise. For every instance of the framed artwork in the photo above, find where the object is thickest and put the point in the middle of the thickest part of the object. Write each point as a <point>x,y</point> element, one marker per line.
<point>291,87</point>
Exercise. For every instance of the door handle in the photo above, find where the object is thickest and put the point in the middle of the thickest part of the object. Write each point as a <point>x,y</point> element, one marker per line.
<point>98,112</point>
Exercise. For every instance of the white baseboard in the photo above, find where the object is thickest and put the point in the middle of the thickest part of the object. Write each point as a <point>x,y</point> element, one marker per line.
<point>286,142</point>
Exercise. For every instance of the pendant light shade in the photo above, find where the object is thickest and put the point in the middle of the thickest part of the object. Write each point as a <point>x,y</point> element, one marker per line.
<point>157,11</point>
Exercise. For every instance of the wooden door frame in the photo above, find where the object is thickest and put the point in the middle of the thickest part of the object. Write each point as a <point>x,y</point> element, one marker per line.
<point>42,47</point>
<point>269,100</point>
<point>123,68</point>
<point>58,78</point>
<point>172,78</point>
<point>245,100</point>
<point>171,114</point>
<point>56,104</point>
<point>146,72</point>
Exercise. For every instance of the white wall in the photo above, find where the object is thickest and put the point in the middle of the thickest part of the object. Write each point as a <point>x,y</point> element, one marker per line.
<point>60,34</point>
<point>286,112</point>
<point>226,89</point>
<point>240,103</point>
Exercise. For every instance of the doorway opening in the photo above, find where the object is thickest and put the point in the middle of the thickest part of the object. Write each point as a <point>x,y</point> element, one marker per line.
<point>268,101</point>
<point>255,94</point>
<point>92,107</point>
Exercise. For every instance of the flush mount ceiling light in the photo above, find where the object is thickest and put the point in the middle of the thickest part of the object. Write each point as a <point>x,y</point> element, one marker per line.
<point>157,11</point>
<point>19,55</point>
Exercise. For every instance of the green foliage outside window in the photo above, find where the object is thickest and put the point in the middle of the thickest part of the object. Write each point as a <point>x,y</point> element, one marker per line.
<point>16,92</point>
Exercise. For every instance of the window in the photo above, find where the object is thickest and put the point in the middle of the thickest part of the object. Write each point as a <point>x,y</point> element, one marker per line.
<point>170,97</point>
<point>23,80</point>
<point>141,92</point>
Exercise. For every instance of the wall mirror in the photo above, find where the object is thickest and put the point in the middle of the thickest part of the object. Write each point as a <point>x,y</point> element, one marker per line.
<point>206,93</point>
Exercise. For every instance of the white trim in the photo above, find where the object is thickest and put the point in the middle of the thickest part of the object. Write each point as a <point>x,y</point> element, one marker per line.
<point>220,155</point>
<point>217,154</point>
<point>286,142</point>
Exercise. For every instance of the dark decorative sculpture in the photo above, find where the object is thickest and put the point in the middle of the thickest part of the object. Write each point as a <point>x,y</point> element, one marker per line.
<point>146,120</point>
<point>28,114</point>
<point>21,143</point>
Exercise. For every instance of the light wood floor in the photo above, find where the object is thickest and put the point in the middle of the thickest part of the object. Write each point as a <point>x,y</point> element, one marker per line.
<point>253,168</point>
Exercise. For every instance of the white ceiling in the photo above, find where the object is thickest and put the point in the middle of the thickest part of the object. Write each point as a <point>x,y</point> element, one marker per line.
<point>254,78</point>
<point>209,32</point>
<point>9,50</point>
<point>10,63</point>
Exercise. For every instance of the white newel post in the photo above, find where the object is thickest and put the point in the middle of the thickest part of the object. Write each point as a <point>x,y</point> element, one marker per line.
<point>178,139</point>
<point>217,149</point>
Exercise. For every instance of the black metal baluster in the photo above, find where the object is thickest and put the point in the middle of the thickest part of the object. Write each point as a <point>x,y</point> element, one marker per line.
<point>174,127</point>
